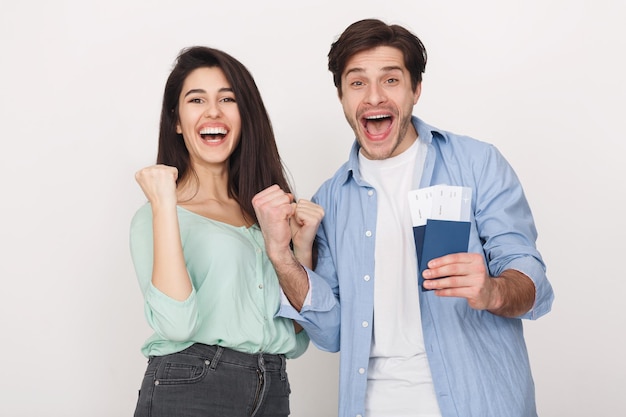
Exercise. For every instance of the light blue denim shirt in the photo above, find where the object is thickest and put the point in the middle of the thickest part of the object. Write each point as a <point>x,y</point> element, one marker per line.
<point>479,362</point>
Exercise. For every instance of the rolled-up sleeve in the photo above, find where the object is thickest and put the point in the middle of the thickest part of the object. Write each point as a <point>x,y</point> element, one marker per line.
<point>320,319</point>
<point>321,316</point>
<point>506,227</point>
<point>171,319</point>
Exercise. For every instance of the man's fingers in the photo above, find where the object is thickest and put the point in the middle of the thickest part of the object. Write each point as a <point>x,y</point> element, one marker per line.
<point>272,196</point>
<point>308,210</point>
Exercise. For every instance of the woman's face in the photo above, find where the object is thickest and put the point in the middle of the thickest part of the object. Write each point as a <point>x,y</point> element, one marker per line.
<point>208,117</point>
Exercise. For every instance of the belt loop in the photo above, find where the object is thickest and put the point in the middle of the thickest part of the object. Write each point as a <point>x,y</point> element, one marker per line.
<point>283,367</point>
<point>216,358</point>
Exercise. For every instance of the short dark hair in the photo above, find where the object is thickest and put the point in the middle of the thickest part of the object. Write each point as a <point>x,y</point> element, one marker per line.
<point>371,33</point>
<point>255,164</point>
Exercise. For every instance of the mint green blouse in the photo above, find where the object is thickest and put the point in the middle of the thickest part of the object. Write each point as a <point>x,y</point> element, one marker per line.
<point>235,294</point>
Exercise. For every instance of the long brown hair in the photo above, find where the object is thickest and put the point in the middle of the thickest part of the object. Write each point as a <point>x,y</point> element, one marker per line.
<point>255,164</point>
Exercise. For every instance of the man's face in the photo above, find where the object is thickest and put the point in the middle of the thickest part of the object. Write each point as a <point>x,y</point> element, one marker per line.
<point>378,101</point>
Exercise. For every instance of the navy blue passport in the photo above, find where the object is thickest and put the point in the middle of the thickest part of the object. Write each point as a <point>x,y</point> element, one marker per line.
<point>438,238</point>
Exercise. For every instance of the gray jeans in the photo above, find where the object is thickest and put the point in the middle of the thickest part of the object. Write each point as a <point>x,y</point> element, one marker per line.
<point>210,381</point>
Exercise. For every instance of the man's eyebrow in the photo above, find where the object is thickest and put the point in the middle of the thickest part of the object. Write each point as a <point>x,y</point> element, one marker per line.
<point>383,69</point>
<point>391,68</point>
<point>202,91</point>
<point>352,70</point>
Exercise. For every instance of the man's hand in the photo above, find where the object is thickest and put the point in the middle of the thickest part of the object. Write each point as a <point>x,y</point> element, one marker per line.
<point>304,223</point>
<point>274,208</point>
<point>462,275</point>
<point>465,275</point>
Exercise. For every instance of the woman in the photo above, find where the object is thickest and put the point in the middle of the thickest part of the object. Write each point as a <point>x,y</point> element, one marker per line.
<point>210,291</point>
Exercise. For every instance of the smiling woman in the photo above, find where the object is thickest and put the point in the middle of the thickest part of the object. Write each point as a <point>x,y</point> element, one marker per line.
<point>210,290</point>
<point>209,122</point>
<point>209,119</point>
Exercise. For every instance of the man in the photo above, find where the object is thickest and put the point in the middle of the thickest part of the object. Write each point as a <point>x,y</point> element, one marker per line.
<point>459,349</point>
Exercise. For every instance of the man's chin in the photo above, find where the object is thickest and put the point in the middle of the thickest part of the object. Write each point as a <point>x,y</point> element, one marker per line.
<point>375,153</point>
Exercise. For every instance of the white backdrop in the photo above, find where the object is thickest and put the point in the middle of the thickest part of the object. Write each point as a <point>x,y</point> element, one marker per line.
<point>80,91</point>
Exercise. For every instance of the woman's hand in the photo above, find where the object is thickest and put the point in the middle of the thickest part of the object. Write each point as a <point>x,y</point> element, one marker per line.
<point>158,183</point>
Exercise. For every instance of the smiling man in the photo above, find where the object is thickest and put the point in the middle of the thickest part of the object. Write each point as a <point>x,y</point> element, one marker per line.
<point>378,99</point>
<point>457,350</point>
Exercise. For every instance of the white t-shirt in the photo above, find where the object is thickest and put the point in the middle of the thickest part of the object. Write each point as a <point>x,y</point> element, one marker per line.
<point>399,378</point>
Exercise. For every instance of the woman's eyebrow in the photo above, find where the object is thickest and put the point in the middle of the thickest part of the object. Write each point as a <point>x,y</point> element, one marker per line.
<point>202,91</point>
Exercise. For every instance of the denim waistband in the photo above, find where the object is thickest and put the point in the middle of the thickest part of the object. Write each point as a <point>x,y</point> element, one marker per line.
<point>217,354</point>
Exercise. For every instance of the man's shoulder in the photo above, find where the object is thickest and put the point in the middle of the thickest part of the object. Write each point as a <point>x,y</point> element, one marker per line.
<point>453,139</point>
<point>464,148</point>
<point>337,180</point>
<point>449,138</point>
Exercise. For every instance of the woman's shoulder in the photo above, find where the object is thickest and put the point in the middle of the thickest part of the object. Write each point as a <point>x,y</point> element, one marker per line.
<point>143,213</point>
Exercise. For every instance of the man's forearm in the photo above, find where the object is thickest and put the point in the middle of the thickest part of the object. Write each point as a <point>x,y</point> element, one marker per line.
<point>292,277</point>
<point>516,294</point>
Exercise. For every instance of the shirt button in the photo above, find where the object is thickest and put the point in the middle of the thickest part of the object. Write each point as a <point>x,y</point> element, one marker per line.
<point>366,278</point>
<point>368,233</point>
<point>370,193</point>
<point>361,371</point>
<point>260,286</point>
<point>359,415</point>
<point>365,324</point>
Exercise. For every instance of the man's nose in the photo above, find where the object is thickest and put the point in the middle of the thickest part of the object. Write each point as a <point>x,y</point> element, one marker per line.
<point>375,95</point>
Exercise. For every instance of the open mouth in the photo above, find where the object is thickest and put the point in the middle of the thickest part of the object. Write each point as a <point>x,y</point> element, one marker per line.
<point>213,133</point>
<point>377,124</point>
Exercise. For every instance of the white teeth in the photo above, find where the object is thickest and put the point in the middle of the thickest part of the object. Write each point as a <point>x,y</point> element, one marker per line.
<point>378,116</point>
<point>213,131</point>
